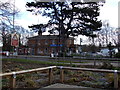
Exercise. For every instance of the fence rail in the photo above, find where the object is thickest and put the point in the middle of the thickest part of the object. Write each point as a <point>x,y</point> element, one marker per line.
<point>26,71</point>
<point>13,74</point>
<point>62,68</point>
<point>88,69</point>
<point>116,72</point>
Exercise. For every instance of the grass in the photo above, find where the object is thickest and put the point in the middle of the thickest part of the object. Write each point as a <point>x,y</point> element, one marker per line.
<point>88,58</point>
<point>69,61</point>
<point>37,62</point>
<point>82,60</point>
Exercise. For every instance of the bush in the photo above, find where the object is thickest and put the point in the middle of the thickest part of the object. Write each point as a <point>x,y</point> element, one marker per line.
<point>106,65</point>
<point>30,83</point>
<point>117,55</point>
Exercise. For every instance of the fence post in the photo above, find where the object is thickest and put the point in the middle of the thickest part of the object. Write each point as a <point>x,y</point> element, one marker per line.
<point>115,79</point>
<point>61,74</point>
<point>50,75</point>
<point>13,80</point>
<point>94,62</point>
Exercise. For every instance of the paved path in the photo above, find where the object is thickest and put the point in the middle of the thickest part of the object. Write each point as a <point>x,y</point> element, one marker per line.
<point>65,86</point>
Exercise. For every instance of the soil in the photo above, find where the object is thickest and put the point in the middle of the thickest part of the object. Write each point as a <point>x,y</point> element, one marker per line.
<point>8,66</point>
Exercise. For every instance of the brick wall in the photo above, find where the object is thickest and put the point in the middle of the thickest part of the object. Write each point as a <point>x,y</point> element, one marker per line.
<point>46,46</point>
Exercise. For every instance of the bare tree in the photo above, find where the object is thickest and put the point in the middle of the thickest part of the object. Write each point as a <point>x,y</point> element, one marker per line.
<point>8,12</point>
<point>115,38</point>
<point>106,35</point>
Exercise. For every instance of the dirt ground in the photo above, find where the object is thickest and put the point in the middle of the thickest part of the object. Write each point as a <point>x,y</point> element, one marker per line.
<point>9,66</point>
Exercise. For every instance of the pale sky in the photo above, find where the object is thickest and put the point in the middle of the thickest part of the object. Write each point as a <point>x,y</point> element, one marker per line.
<point>108,12</point>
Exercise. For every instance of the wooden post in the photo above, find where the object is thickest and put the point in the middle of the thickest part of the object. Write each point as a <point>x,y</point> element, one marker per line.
<point>94,62</point>
<point>50,75</point>
<point>115,79</point>
<point>61,74</point>
<point>13,80</point>
<point>70,62</point>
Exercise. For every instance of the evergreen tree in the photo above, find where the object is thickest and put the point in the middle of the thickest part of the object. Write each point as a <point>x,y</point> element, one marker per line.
<point>69,18</point>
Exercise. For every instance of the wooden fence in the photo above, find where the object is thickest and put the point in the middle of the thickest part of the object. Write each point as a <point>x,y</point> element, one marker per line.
<point>116,72</point>
<point>13,74</point>
<point>62,68</point>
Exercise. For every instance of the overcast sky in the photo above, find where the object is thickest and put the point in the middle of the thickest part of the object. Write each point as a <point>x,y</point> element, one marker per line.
<point>108,12</point>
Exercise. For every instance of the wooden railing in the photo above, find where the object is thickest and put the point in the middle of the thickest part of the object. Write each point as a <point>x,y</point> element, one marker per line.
<point>116,72</point>
<point>13,74</point>
<point>62,68</point>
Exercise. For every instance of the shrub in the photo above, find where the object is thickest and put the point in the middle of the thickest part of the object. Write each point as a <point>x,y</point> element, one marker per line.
<point>106,65</point>
<point>21,77</point>
<point>30,83</point>
<point>117,55</point>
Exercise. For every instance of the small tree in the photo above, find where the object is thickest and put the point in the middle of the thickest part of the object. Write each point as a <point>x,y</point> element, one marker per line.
<point>8,11</point>
<point>6,23</point>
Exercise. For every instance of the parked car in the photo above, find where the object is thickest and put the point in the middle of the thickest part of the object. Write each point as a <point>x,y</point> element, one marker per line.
<point>5,53</point>
<point>98,54</point>
<point>105,52</point>
<point>0,52</point>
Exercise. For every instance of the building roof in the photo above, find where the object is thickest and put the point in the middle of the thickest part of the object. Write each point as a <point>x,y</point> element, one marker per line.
<point>47,37</point>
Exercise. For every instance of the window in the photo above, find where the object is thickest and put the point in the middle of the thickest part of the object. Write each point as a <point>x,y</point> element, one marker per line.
<point>33,51</point>
<point>53,41</point>
<point>46,42</point>
<point>39,43</point>
<point>70,41</point>
<point>39,51</point>
<point>46,50</point>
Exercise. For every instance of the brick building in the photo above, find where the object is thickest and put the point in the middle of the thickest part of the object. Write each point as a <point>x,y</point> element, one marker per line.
<point>23,50</point>
<point>47,44</point>
<point>119,37</point>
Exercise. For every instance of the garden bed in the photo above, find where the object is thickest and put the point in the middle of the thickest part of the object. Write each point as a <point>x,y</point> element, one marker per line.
<point>40,79</point>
